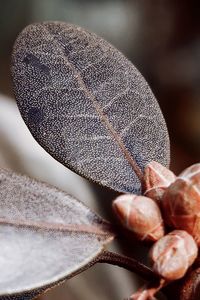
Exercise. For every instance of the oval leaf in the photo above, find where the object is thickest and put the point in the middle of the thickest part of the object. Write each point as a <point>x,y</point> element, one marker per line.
<point>87,105</point>
<point>46,235</point>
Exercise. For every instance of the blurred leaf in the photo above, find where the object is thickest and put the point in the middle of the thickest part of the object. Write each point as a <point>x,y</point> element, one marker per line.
<point>87,105</point>
<point>46,235</point>
<point>23,296</point>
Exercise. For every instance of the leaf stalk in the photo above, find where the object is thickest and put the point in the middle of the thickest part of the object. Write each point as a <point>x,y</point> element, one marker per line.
<point>128,263</point>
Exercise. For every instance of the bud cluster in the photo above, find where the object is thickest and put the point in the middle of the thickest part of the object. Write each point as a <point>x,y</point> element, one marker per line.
<point>181,202</point>
<point>178,198</point>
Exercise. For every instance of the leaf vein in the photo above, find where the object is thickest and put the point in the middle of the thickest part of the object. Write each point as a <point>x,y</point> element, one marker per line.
<point>118,95</point>
<point>87,139</point>
<point>79,228</point>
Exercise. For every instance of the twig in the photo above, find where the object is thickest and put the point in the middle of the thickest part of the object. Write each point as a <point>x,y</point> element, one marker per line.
<point>128,263</point>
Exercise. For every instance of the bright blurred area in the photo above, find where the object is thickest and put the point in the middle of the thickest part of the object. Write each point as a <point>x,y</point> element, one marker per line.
<point>162,39</point>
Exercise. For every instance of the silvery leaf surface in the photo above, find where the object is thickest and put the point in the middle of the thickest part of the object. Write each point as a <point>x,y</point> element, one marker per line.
<point>87,105</point>
<point>46,235</point>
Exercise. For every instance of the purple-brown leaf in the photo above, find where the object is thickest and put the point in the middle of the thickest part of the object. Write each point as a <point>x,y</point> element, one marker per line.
<point>87,105</point>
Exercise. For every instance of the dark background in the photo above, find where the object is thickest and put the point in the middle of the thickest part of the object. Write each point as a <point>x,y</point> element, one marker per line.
<point>162,39</point>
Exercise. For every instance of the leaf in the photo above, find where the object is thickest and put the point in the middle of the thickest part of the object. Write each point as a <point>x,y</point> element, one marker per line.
<point>46,235</point>
<point>87,105</point>
<point>23,296</point>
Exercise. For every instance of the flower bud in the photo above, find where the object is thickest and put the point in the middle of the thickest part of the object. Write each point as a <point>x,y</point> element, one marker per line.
<point>142,295</point>
<point>181,202</point>
<point>141,215</point>
<point>173,254</point>
<point>148,291</point>
<point>156,180</point>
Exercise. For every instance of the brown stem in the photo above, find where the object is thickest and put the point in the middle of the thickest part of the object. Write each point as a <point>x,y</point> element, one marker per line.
<point>128,263</point>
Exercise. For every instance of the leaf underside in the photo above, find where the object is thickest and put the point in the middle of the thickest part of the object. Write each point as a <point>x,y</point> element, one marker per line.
<point>87,105</point>
<point>46,235</point>
<point>22,296</point>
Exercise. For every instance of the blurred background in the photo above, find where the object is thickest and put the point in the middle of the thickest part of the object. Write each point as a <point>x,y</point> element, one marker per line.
<point>162,39</point>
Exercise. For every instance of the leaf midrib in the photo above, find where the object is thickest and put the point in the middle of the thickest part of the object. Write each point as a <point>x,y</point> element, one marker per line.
<point>47,226</point>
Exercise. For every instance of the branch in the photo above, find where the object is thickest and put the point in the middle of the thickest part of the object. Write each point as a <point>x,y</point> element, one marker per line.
<point>128,263</point>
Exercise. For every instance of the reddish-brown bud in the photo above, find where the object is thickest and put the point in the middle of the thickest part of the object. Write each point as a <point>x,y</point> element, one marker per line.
<point>141,215</point>
<point>173,254</point>
<point>148,291</point>
<point>181,202</point>
<point>143,295</point>
<point>156,180</point>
